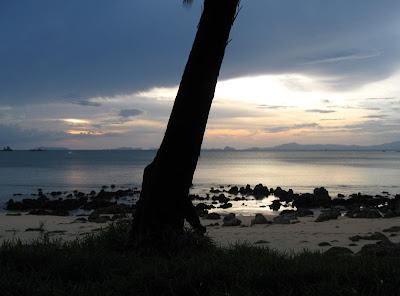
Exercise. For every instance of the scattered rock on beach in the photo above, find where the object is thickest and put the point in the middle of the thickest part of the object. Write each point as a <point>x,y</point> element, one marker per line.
<point>328,215</point>
<point>324,244</point>
<point>231,220</point>
<point>212,216</point>
<point>259,219</point>
<point>392,229</point>
<point>261,241</point>
<point>364,213</point>
<point>376,236</point>
<point>260,191</point>
<point>282,220</point>
<point>338,251</point>
<point>381,249</point>
<point>275,206</point>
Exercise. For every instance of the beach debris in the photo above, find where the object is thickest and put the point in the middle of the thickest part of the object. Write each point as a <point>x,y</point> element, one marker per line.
<point>260,219</point>
<point>212,216</point>
<point>338,251</point>
<point>379,236</point>
<point>392,229</point>
<point>328,215</point>
<point>231,220</point>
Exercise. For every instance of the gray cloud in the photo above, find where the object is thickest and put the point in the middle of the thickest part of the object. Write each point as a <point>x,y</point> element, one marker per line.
<point>375,116</point>
<point>320,111</point>
<point>86,103</point>
<point>127,113</point>
<point>279,129</point>
<point>273,107</point>
<point>356,56</point>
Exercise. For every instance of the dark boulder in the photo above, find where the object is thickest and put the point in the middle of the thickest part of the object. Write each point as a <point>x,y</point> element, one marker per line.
<point>259,219</point>
<point>260,191</point>
<point>226,206</point>
<point>212,216</point>
<point>231,220</point>
<point>328,215</point>
<point>376,236</point>
<point>364,213</point>
<point>338,251</point>
<point>275,205</point>
<point>233,190</point>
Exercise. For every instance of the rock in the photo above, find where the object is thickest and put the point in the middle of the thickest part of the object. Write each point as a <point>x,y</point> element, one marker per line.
<point>229,217</point>
<point>115,209</point>
<point>281,220</point>
<point>102,219</point>
<point>225,206</point>
<point>304,212</point>
<point>35,229</point>
<point>320,198</point>
<point>328,215</point>
<point>261,241</point>
<point>353,245</point>
<point>381,249</point>
<point>13,214</point>
<point>233,190</point>
<point>118,216</point>
<point>112,186</point>
<point>392,229</point>
<point>260,191</point>
<point>340,195</point>
<point>364,213</point>
<point>275,205</point>
<point>376,236</point>
<point>212,216</point>
<point>259,219</point>
<point>232,222</point>
<point>324,244</point>
<point>338,251</point>
<point>80,220</point>
<point>246,190</point>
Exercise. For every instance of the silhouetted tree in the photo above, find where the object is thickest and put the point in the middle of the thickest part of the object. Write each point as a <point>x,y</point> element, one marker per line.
<point>164,201</point>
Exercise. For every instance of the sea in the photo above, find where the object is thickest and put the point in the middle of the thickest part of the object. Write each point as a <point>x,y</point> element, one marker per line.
<point>369,172</point>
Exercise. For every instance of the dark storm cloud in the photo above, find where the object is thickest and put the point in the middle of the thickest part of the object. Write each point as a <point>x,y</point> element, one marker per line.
<point>279,129</point>
<point>50,49</point>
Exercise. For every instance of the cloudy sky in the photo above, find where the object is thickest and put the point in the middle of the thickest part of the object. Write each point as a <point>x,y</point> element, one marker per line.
<point>98,74</point>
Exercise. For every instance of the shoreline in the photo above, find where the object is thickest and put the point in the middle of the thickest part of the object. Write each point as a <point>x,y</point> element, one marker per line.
<point>306,234</point>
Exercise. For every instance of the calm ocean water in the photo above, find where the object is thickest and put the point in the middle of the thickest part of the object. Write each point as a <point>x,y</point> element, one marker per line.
<point>340,172</point>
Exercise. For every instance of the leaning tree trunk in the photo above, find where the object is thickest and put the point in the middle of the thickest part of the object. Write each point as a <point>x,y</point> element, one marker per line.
<point>164,201</point>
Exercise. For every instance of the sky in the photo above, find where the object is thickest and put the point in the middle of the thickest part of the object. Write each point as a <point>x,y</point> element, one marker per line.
<point>100,74</point>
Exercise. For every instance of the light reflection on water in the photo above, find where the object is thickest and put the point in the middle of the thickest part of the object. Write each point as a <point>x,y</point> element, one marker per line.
<point>344,172</point>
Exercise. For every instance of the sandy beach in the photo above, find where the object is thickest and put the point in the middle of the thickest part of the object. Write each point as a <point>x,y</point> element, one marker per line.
<point>306,234</point>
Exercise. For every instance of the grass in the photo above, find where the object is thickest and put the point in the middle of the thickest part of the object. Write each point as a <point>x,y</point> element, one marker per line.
<point>110,263</point>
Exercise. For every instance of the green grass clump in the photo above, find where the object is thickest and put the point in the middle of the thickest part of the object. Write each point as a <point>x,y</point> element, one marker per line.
<point>112,263</point>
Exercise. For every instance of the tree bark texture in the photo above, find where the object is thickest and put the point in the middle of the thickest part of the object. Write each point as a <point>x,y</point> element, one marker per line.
<point>164,202</point>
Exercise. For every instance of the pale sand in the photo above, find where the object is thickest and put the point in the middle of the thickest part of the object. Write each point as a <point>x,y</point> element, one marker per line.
<point>293,237</point>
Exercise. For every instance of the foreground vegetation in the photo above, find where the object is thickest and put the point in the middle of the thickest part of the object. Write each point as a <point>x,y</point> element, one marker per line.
<point>111,264</point>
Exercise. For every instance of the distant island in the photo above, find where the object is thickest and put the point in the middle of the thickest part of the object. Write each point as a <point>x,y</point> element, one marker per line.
<point>394,146</point>
<point>7,149</point>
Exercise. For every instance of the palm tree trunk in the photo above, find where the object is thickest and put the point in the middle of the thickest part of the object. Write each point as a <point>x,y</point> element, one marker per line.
<point>164,201</point>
